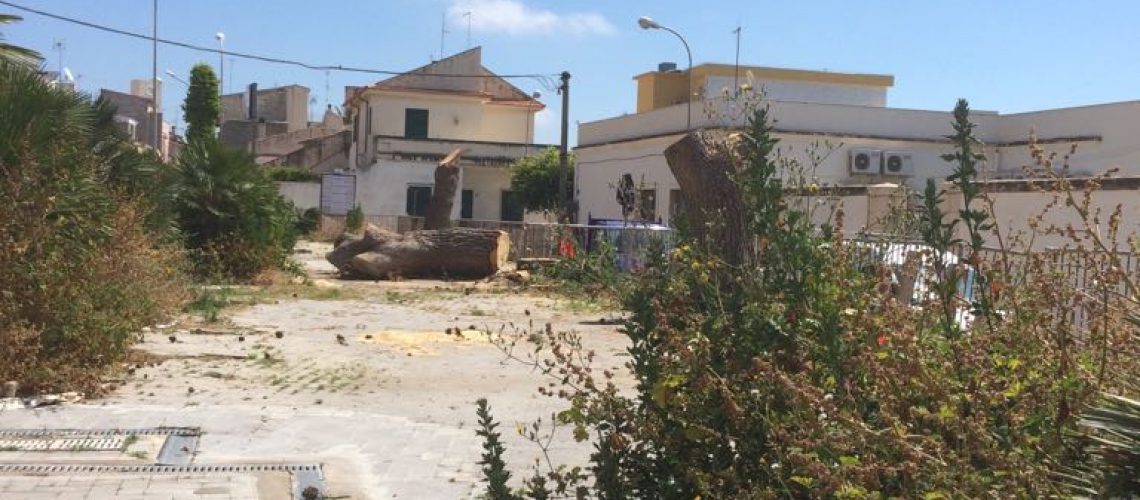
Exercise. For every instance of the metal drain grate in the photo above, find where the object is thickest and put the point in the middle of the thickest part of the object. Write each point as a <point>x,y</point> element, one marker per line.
<point>147,431</point>
<point>158,469</point>
<point>55,443</point>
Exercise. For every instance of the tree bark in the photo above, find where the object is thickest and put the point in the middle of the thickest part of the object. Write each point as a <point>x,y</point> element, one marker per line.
<point>705,165</point>
<point>443,194</point>
<point>446,253</point>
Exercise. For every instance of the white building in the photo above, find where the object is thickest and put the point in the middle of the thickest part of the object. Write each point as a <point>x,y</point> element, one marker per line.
<point>872,143</point>
<point>403,126</point>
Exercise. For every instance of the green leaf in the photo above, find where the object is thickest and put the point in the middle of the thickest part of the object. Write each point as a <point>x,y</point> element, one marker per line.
<point>804,481</point>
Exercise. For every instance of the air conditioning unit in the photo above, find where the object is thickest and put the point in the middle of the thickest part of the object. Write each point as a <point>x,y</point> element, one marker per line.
<point>864,161</point>
<point>898,163</point>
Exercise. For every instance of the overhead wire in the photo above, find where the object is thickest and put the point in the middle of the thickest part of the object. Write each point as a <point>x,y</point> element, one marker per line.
<point>255,57</point>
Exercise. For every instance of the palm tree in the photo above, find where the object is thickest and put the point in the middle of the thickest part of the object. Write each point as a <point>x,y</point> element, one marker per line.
<point>15,52</point>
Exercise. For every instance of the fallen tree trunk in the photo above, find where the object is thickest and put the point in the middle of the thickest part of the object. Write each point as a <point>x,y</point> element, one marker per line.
<point>445,253</point>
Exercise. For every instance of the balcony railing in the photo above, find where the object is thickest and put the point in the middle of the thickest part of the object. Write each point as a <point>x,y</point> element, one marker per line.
<point>479,153</point>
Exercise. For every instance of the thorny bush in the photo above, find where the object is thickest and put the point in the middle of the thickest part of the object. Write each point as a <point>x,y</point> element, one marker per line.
<point>805,376</point>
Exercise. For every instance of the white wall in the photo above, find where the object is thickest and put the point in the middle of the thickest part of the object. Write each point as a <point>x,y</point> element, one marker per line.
<point>488,185</point>
<point>816,92</point>
<point>1116,123</point>
<point>450,117</point>
<point>304,195</point>
<point>599,169</point>
<point>383,188</point>
<point>1013,212</point>
<point>502,123</point>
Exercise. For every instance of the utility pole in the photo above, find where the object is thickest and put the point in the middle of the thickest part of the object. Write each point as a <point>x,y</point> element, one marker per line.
<point>253,119</point>
<point>157,137</point>
<point>563,158</point>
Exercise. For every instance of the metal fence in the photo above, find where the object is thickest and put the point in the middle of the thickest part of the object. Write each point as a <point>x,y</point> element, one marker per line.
<point>1083,271</point>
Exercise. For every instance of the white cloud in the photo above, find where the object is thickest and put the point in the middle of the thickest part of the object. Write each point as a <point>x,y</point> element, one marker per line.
<point>513,17</point>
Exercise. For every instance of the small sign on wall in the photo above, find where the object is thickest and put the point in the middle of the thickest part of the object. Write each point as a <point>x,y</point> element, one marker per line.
<point>338,193</point>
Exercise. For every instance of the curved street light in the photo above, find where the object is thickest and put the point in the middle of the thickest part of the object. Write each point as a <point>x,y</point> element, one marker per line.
<point>177,78</point>
<point>648,23</point>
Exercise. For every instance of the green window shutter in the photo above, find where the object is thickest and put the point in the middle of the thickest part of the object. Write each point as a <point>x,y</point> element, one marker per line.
<point>511,207</point>
<point>415,123</point>
<point>467,204</point>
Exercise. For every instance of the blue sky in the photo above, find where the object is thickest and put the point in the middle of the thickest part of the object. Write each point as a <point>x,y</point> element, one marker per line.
<point>1007,55</point>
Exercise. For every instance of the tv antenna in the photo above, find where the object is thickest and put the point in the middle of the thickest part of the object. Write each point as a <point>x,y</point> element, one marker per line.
<point>327,91</point>
<point>468,16</point>
<point>60,46</point>
<point>442,33</point>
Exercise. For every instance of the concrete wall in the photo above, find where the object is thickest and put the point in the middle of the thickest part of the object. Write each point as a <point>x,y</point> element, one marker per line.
<point>382,188</point>
<point>238,134</point>
<point>1104,136</point>
<point>814,92</point>
<point>304,195</point>
<point>514,124</point>
<point>449,117</point>
<point>1017,208</point>
<point>323,154</point>
<point>598,170</point>
<point>288,104</point>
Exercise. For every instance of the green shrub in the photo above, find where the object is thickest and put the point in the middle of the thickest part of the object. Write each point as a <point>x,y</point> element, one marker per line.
<point>308,220</point>
<point>802,376</point>
<point>354,221</point>
<point>292,174</point>
<point>235,223</point>
<point>81,266</point>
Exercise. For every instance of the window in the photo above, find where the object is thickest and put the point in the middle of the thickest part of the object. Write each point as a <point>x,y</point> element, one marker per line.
<point>418,199</point>
<point>647,205</point>
<point>415,123</point>
<point>466,204</point>
<point>511,207</point>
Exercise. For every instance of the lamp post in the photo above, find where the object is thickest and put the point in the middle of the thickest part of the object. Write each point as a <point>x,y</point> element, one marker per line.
<point>649,24</point>
<point>169,72</point>
<point>221,37</point>
<point>177,78</point>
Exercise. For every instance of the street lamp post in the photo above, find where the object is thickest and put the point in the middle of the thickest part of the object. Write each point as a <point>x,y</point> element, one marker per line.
<point>221,37</point>
<point>177,78</point>
<point>649,24</point>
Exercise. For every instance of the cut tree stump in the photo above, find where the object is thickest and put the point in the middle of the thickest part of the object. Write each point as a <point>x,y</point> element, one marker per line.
<point>444,253</point>
<point>705,164</point>
<point>443,194</point>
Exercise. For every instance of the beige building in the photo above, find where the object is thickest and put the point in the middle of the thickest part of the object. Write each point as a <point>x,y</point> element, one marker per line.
<point>134,114</point>
<point>843,114</point>
<point>402,126</point>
